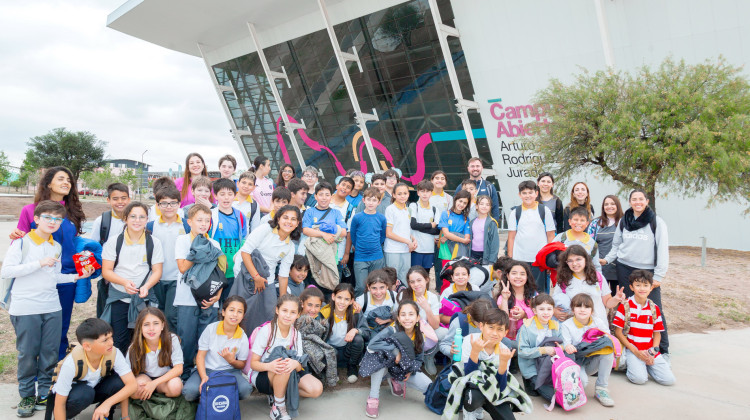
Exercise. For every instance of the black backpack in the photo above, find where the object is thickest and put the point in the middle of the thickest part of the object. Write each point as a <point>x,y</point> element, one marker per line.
<point>105,227</point>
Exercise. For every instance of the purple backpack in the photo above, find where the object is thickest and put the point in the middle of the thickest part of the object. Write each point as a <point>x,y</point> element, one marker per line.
<point>566,379</point>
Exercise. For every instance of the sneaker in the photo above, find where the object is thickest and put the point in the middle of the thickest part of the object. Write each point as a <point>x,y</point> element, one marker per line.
<point>469,415</point>
<point>397,388</point>
<point>270,400</point>
<point>528,386</point>
<point>371,409</point>
<point>41,403</point>
<point>279,413</point>
<point>429,364</point>
<point>603,396</point>
<point>351,375</point>
<point>26,407</point>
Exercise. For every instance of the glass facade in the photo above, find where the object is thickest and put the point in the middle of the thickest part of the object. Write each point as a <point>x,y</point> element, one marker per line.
<point>404,79</point>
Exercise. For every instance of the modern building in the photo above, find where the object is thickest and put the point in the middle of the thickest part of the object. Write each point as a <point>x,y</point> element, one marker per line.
<point>423,85</point>
<point>120,165</point>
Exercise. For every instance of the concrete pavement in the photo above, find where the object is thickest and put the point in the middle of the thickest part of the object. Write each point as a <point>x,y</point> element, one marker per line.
<point>712,377</point>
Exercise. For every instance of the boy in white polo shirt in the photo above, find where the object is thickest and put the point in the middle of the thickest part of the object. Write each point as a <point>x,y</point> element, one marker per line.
<point>34,307</point>
<point>529,232</point>
<point>167,227</point>
<point>424,221</point>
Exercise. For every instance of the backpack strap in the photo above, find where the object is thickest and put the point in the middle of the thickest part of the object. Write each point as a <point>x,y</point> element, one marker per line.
<point>518,211</point>
<point>149,249</point>
<point>349,211</point>
<point>79,364</point>
<point>105,226</point>
<point>540,208</point>
<point>150,226</point>
<point>118,248</point>
<point>463,322</point>
<point>367,300</point>
<point>185,224</point>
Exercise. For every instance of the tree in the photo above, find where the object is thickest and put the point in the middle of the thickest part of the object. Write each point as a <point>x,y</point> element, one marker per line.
<point>682,127</point>
<point>100,179</point>
<point>4,167</point>
<point>78,151</point>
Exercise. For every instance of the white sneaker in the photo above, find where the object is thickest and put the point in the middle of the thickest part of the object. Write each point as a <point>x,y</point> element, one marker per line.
<point>279,413</point>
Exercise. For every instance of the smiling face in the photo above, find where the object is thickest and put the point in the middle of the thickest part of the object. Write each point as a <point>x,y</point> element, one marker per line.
<point>578,223</point>
<point>471,189</point>
<point>195,165</point>
<point>641,289</point>
<point>343,189</point>
<point>137,219</point>
<point>576,263</point>
<point>48,222</point>
<point>610,208</point>
<point>408,316</point>
<point>234,313</point>
<point>152,327</point>
<point>342,300</point>
<point>202,193</point>
<point>310,179</point>
<point>417,283</point>
<point>359,183</point>
<point>583,314</point>
<point>483,207</point>
<point>379,184</point>
<point>225,198</point>
<point>580,192</point>
<point>288,222</point>
<point>544,312</point>
<point>460,277</point>
<point>545,184</point>
<point>200,223</point>
<point>378,291</point>
<point>278,203</point>
<point>323,197</point>
<point>528,196</point>
<point>168,207</point>
<point>60,184</point>
<point>298,275</point>
<point>517,276</point>
<point>245,186</point>
<point>493,333</point>
<point>226,169</point>
<point>312,306</point>
<point>287,313</point>
<point>461,204</point>
<point>401,194</point>
<point>439,181</point>
<point>299,198</point>
<point>638,202</point>
<point>287,173</point>
<point>118,200</point>
<point>475,168</point>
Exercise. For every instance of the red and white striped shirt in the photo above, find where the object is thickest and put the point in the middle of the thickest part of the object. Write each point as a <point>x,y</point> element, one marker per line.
<point>642,323</point>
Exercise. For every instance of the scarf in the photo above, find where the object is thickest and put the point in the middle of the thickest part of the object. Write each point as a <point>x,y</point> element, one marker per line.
<point>631,223</point>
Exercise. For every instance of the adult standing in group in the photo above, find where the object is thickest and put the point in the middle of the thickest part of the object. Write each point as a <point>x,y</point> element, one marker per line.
<point>579,197</point>
<point>58,184</point>
<point>194,166</point>
<point>263,184</point>
<point>484,187</point>
<point>546,182</point>
<point>286,174</point>
<point>641,242</point>
<point>310,176</point>
<point>602,230</point>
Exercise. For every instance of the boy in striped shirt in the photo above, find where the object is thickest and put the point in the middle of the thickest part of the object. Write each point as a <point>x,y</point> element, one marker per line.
<point>638,325</point>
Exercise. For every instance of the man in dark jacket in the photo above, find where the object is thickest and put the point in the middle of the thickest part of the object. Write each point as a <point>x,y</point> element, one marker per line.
<point>484,187</point>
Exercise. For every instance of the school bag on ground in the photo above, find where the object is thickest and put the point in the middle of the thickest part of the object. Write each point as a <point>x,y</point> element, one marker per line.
<point>436,395</point>
<point>220,398</point>
<point>566,379</point>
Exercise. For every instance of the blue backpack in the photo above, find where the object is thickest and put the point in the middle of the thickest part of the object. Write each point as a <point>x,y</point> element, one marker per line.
<point>436,395</point>
<point>220,399</point>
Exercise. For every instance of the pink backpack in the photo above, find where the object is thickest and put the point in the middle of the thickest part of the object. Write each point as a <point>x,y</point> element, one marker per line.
<point>247,370</point>
<point>566,379</point>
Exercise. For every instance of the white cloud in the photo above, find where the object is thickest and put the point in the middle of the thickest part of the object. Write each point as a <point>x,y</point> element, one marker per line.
<point>62,67</point>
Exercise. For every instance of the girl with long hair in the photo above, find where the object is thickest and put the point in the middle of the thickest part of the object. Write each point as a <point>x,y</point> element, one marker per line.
<point>455,230</point>
<point>263,184</point>
<point>344,332</point>
<point>546,183</point>
<point>514,296</point>
<point>399,241</point>
<point>194,166</point>
<point>602,230</point>
<point>580,196</point>
<point>286,173</point>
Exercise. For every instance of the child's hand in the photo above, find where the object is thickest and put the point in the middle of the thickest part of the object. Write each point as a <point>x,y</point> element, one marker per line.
<point>549,351</point>
<point>143,292</point>
<point>291,365</point>
<point>570,349</point>
<point>230,355</point>
<point>351,334</point>
<point>260,284</point>
<point>17,234</point>
<point>560,314</point>
<point>345,259</point>
<point>86,273</point>
<point>101,412</point>
<point>130,288</point>
<point>355,307</point>
<point>455,349</point>
<point>505,291</point>
<point>148,390</point>
<point>505,354</point>
<point>205,304</point>
<point>277,366</point>
<point>398,357</point>
<point>329,238</point>
<point>655,284</point>
<point>477,345</point>
<point>424,303</point>
<point>48,262</point>
<point>204,379</point>
<point>619,294</point>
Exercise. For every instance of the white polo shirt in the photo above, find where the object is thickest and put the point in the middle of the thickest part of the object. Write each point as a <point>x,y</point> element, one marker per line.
<point>371,305</point>
<point>167,234</point>
<point>246,207</point>
<point>432,299</point>
<point>182,295</point>
<point>154,213</point>
<point>442,202</point>
<point>338,332</point>
<point>531,232</point>
<point>93,377</point>
<point>133,262</point>
<point>214,340</point>
<point>425,241</point>
<point>152,368</point>
<point>116,227</point>
<point>400,222</point>
<point>572,330</point>
<point>272,248</point>
<point>261,346</point>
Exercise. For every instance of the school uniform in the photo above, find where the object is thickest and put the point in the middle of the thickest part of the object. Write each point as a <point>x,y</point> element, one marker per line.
<point>35,310</point>
<point>587,242</point>
<point>92,388</point>
<point>531,335</point>
<point>572,333</point>
<point>371,305</point>
<point>418,381</point>
<point>367,235</point>
<point>213,340</point>
<point>132,265</point>
<point>151,366</point>
<point>165,289</point>
<point>596,291</point>
<point>229,230</point>
<point>347,212</point>
<point>421,223</point>
<point>191,318</point>
<point>246,207</point>
<point>502,379</point>
<point>348,355</point>
<point>116,227</point>
<point>262,345</point>
<point>154,213</point>
<point>531,236</point>
<point>458,225</point>
<point>274,250</point>
<point>397,254</point>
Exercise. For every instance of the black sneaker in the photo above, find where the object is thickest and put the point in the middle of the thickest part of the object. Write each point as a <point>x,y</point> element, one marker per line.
<point>26,407</point>
<point>41,403</point>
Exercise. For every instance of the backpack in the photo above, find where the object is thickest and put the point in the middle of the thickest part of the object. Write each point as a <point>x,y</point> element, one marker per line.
<point>349,211</point>
<point>105,227</point>
<point>626,323</point>
<point>478,275</point>
<point>149,250</point>
<point>566,379</point>
<point>540,208</point>
<point>436,395</point>
<point>367,300</point>
<point>247,370</point>
<point>6,284</point>
<point>220,398</point>
<point>594,250</point>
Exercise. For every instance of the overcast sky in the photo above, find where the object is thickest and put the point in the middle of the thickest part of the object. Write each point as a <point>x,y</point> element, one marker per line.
<point>62,67</point>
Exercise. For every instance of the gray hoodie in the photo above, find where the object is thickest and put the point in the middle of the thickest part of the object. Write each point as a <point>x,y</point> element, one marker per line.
<point>636,248</point>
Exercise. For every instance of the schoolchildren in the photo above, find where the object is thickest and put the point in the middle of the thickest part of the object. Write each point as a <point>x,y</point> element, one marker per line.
<point>312,301</point>
<point>310,178</point>
<point>342,205</point>
<point>428,304</point>
<point>468,320</point>
<point>455,230</point>
<point>514,297</point>
<point>168,226</point>
<point>108,379</point>
<point>440,199</point>
<point>638,326</point>
<point>244,199</point>
<point>298,190</point>
<point>228,227</point>
<point>274,357</point>
<point>195,166</point>
<point>579,197</point>
<point>391,179</point>
<point>572,332</point>
<point>201,193</point>
<point>227,166</point>
<point>485,240</point>
<point>471,187</point>
<point>162,182</point>
<point>367,234</point>
<point>532,334</point>
<point>280,197</point>
<point>286,174</point>
<point>545,181</point>
<point>399,241</point>
<point>224,347</point>
<point>407,322</point>
<point>378,181</point>
<point>313,328</point>
<point>35,311</point>
<point>378,295</point>
<point>424,226</point>
<point>322,222</point>
<point>355,196</point>
<point>579,222</point>
<point>528,231</point>
<point>343,332</point>
<point>192,319</point>
<point>576,274</point>
<point>297,274</point>
<point>459,283</point>
<point>132,263</point>
<point>155,356</point>
<point>263,184</point>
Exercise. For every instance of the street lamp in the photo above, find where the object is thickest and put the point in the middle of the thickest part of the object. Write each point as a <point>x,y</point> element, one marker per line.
<point>140,190</point>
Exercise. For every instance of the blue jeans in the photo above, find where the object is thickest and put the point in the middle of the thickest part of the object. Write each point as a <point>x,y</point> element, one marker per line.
<point>66,293</point>
<point>191,321</point>
<point>165,290</point>
<point>361,270</point>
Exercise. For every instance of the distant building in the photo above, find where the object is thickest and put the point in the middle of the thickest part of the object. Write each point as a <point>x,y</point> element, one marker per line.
<point>120,165</point>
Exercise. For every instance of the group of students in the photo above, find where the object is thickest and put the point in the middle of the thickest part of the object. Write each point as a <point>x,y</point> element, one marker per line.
<point>157,336</point>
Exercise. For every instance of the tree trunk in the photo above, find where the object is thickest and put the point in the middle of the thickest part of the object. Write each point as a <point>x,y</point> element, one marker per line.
<point>651,195</point>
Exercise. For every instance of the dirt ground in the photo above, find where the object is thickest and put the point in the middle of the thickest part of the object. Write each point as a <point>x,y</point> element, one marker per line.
<point>695,298</point>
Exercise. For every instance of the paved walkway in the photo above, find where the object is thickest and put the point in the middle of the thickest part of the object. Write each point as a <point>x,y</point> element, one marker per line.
<point>711,383</point>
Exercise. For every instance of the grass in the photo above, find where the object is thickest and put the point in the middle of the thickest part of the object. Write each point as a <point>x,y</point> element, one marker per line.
<point>7,361</point>
<point>707,319</point>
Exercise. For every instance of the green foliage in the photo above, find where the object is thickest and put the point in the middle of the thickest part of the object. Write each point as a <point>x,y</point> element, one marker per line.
<point>78,151</point>
<point>100,179</point>
<point>4,167</point>
<point>683,127</point>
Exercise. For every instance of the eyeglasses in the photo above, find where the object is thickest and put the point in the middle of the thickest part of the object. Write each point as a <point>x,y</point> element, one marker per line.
<point>309,175</point>
<point>169,204</point>
<point>135,217</point>
<point>49,219</point>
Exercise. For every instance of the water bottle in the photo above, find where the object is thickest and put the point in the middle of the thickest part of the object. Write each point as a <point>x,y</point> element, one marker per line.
<point>458,341</point>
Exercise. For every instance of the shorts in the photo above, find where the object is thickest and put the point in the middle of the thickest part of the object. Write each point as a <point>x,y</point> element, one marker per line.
<point>263,385</point>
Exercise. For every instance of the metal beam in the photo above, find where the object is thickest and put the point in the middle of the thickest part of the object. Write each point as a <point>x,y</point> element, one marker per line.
<point>342,57</point>
<point>220,89</point>
<point>272,76</point>
<point>462,105</point>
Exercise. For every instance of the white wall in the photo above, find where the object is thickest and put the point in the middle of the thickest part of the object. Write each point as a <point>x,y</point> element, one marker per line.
<point>513,48</point>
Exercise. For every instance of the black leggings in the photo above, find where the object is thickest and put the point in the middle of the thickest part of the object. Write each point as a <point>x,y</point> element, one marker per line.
<point>474,400</point>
